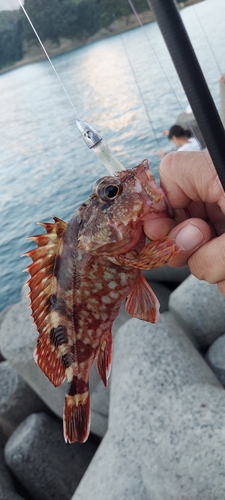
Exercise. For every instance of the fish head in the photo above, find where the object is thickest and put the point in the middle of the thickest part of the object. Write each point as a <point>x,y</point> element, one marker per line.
<point>111,221</point>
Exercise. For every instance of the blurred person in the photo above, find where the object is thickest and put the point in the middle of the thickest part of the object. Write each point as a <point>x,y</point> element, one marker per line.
<point>182,139</point>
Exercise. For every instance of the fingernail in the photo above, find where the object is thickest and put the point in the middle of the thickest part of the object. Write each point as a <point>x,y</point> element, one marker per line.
<point>189,237</point>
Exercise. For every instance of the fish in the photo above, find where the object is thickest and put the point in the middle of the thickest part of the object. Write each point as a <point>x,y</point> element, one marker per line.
<point>80,274</point>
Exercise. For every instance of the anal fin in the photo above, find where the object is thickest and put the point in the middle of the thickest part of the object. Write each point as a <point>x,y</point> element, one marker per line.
<point>104,359</point>
<point>142,303</point>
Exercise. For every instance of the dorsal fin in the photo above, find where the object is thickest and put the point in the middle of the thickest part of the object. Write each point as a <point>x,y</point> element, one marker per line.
<point>43,286</point>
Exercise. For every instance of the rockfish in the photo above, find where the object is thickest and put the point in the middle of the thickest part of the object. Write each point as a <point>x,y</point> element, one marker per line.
<point>81,273</point>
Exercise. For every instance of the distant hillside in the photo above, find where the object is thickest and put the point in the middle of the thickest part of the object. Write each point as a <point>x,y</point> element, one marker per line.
<point>62,25</point>
<point>11,49</point>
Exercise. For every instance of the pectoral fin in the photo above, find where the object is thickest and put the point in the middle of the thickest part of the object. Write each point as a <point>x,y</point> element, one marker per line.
<point>154,254</point>
<point>142,303</point>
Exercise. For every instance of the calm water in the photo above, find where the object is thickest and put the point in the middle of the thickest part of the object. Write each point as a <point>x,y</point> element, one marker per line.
<point>119,87</point>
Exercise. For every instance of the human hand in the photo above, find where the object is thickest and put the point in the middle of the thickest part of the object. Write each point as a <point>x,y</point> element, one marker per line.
<point>194,191</point>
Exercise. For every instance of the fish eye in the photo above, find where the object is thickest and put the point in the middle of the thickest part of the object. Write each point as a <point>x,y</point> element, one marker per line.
<point>107,190</point>
<point>111,191</point>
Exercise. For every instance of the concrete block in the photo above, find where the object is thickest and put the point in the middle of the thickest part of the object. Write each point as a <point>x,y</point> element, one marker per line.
<point>215,356</point>
<point>17,399</point>
<point>47,467</point>
<point>9,495</point>
<point>167,274</point>
<point>162,293</point>
<point>200,310</point>
<point>166,432</point>
<point>6,479</point>
<point>100,395</point>
<point>2,316</point>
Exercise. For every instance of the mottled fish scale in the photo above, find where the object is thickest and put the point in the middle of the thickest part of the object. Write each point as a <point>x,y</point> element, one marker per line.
<point>81,273</point>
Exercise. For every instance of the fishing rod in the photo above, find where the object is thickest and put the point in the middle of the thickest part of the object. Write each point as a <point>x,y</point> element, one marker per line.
<point>192,80</point>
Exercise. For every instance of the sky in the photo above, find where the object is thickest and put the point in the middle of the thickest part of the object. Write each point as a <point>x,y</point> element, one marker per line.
<point>9,4</point>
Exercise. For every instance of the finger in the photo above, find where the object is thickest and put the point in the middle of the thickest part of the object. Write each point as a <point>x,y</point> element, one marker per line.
<point>190,235</point>
<point>207,263</point>
<point>221,287</point>
<point>190,176</point>
<point>156,229</point>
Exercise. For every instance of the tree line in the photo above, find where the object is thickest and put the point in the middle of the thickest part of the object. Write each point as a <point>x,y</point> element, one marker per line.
<point>54,19</point>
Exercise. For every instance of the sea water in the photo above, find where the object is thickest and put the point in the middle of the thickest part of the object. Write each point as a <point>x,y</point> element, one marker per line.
<point>121,88</point>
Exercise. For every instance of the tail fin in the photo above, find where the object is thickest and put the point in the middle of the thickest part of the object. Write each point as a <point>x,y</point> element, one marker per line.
<point>77,415</point>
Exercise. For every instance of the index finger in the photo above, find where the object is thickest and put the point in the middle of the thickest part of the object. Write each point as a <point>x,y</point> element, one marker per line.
<point>190,176</point>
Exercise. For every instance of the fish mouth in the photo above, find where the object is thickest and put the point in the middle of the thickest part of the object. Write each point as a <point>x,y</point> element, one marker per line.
<point>160,205</point>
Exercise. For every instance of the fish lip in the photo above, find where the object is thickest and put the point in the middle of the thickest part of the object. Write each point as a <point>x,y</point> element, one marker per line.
<point>144,168</point>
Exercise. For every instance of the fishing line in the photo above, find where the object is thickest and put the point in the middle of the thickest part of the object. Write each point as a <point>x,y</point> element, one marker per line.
<point>207,41</point>
<point>154,52</point>
<point>46,53</point>
<point>199,97</point>
<point>139,90</point>
<point>161,66</point>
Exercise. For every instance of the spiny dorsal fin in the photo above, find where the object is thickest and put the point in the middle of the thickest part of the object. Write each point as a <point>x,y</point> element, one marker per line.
<point>43,286</point>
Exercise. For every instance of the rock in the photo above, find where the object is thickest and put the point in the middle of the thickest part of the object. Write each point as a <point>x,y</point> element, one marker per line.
<point>46,466</point>
<point>18,339</point>
<point>200,310</point>
<point>7,484</point>
<point>100,394</point>
<point>9,495</point>
<point>2,316</point>
<point>17,399</point>
<point>100,409</point>
<point>167,274</point>
<point>166,434</point>
<point>6,479</point>
<point>162,293</point>
<point>216,358</point>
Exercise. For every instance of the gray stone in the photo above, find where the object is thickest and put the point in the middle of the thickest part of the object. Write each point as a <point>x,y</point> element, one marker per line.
<point>17,399</point>
<point>9,495</point>
<point>166,434</point>
<point>200,310</point>
<point>2,316</point>
<point>162,293</point>
<point>46,466</point>
<point>216,358</point>
<point>100,394</point>
<point>7,484</point>
<point>18,339</point>
<point>166,273</point>
<point>100,409</point>
<point>6,479</point>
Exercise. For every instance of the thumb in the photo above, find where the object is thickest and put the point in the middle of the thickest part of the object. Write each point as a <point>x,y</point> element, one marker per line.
<point>189,236</point>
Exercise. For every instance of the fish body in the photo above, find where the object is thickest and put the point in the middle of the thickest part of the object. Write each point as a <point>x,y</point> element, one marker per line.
<point>81,273</point>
